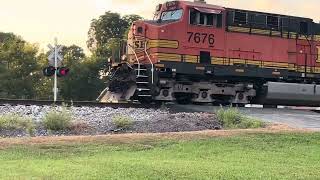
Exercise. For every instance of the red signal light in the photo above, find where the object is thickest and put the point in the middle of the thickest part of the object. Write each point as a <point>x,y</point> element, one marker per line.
<point>62,71</point>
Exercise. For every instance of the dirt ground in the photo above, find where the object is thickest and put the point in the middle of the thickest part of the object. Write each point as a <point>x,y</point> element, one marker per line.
<point>133,138</point>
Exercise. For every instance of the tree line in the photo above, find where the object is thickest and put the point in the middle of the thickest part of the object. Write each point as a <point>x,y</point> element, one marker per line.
<point>21,62</point>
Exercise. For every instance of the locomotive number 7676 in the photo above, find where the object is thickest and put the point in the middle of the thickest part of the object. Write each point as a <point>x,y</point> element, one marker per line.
<point>203,38</point>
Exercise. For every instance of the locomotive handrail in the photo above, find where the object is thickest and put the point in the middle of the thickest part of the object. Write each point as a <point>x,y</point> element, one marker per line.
<point>152,66</point>
<point>135,54</point>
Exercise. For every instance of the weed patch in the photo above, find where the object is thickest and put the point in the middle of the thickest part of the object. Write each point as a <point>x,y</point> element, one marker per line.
<point>57,121</point>
<point>13,122</point>
<point>232,118</point>
<point>122,122</point>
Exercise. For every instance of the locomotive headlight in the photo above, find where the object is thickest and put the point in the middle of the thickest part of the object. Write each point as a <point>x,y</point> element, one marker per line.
<point>174,70</point>
<point>140,30</point>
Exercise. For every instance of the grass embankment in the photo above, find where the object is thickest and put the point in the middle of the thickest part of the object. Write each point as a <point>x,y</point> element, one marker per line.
<point>245,156</point>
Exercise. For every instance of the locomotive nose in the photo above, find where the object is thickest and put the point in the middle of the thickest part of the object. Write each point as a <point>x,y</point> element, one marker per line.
<point>137,35</point>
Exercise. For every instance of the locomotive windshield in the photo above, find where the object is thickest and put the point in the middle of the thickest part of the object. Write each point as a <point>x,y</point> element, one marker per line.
<point>171,15</point>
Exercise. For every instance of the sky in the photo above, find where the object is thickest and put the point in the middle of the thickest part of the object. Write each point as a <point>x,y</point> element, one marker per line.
<point>39,21</point>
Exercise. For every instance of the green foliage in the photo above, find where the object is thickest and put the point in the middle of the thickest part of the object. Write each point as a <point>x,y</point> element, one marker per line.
<point>106,27</point>
<point>19,67</point>
<point>255,156</point>
<point>232,118</point>
<point>16,122</point>
<point>122,122</point>
<point>72,55</point>
<point>57,121</point>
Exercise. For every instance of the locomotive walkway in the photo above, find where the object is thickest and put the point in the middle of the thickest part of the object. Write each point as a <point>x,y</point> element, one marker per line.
<point>294,118</point>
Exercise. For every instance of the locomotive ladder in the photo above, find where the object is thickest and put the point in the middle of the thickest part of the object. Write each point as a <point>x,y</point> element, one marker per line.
<point>143,91</point>
<point>143,83</point>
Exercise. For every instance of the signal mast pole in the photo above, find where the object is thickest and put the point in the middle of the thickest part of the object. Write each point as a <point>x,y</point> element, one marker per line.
<point>55,60</point>
<point>55,88</point>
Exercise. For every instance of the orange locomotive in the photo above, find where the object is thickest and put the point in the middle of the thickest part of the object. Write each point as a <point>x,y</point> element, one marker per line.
<point>202,53</point>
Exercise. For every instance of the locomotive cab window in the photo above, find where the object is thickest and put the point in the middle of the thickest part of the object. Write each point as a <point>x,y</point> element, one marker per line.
<point>172,15</point>
<point>206,18</point>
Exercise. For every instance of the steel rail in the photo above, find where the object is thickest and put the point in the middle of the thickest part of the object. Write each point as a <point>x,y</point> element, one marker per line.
<point>27,102</point>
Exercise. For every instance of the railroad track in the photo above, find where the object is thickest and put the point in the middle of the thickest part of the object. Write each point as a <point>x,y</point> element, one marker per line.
<point>25,102</point>
<point>28,102</point>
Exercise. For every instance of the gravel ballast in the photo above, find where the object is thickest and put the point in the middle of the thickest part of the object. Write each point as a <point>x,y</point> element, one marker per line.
<point>94,120</point>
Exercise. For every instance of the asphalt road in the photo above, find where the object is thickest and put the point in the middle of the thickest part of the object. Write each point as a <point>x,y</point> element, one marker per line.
<point>294,118</point>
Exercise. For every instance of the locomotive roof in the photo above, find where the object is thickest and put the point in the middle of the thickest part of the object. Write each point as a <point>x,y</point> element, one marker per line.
<point>203,5</point>
<point>210,6</point>
<point>269,13</point>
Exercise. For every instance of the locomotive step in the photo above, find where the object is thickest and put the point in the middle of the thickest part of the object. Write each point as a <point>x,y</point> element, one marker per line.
<point>144,82</point>
<point>141,95</point>
<point>143,89</point>
<point>142,76</point>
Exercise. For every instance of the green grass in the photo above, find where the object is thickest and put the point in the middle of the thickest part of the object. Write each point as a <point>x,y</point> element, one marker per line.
<point>255,156</point>
<point>232,118</point>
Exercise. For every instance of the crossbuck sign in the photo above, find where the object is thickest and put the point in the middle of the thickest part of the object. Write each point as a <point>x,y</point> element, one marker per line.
<point>52,55</point>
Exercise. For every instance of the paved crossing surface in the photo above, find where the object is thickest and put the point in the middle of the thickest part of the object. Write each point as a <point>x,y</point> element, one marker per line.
<point>294,118</point>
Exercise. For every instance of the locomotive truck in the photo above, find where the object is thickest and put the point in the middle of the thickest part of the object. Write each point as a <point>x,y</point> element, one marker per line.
<point>194,52</point>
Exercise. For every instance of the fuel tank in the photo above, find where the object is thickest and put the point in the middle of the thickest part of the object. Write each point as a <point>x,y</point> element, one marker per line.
<point>291,94</point>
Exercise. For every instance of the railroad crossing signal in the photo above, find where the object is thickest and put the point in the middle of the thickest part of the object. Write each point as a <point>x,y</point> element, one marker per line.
<point>55,51</point>
<point>61,71</point>
<point>55,61</point>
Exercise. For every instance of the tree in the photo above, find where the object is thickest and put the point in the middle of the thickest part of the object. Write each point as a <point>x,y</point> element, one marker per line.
<point>72,55</point>
<point>106,29</point>
<point>19,65</point>
<point>43,86</point>
<point>130,19</point>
